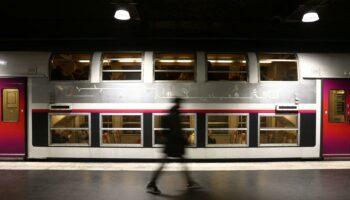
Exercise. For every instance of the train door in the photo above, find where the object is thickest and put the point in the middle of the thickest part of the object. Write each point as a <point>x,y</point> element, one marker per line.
<point>336,117</point>
<point>12,120</point>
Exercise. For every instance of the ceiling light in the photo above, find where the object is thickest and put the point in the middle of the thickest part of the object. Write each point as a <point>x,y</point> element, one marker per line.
<point>3,62</point>
<point>84,61</point>
<point>310,17</point>
<point>122,14</point>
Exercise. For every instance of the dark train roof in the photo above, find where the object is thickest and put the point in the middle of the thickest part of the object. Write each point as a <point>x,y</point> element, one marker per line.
<point>220,25</point>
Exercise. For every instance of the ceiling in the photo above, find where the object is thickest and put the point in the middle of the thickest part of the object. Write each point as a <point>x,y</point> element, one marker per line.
<point>220,25</point>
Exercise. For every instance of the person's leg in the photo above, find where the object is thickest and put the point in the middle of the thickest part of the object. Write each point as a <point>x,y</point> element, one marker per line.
<point>186,173</point>
<point>158,172</point>
<point>152,186</point>
<point>191,184</point>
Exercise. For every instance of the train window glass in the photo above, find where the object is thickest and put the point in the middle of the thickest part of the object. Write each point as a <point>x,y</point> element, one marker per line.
<point>279,130</point>
<point>188,124</point>
<point>121,129</point>
<point>121,66</point>
<point>336,106</point>
<point>10,105</point>
<point>70,66</point>
<point>278,67</point>
<point>69,129</point>
<point>174,66</point>
<point>227,129</point>
<point>230,67</point>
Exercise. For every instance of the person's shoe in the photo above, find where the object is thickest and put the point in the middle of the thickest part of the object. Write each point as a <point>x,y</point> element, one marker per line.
<point>193,185</point>
<point>152,188</point>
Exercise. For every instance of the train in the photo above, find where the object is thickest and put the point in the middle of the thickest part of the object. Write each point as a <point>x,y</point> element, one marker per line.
<point>237,105</point>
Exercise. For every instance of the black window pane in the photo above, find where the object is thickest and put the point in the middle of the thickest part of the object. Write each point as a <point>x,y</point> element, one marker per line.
<point>278,67</point>
<point>231,67</point>
<point>70,66</point>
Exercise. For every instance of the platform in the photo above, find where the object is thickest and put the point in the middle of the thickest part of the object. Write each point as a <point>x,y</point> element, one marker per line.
<point>104,181</point>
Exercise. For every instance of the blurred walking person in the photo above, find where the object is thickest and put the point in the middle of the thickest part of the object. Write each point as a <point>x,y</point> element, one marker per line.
<point>174,147</point>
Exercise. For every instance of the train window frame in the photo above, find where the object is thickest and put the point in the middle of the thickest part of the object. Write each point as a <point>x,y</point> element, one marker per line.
<point>121,145</point>
<point>67,80</point>
<point>273,81</point>
<point>330,113</point>
<point>69,144</point>
<point>123,81</point>
<point>175,71</point>
<point>187,129</point>
<point>277,129</point>
<point>4,116</point>
<point>235,81</point>
<point>238,129</point>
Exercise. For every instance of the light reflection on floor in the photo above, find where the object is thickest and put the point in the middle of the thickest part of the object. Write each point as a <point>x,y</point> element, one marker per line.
<point>232,166</point>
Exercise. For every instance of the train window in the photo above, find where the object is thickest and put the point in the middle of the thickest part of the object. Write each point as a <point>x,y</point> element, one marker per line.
<point>10,105</point>
<point>336,106</point>
<point>121,66</point>
<point>121,129</point>
<point>174,66</point>
<point>230,67</point>
<point>227,129</point>
<point>188,124</point>
<point>69,129</point>
<point>278,67</point>
<point>278,130</point>
<point>70,66</point>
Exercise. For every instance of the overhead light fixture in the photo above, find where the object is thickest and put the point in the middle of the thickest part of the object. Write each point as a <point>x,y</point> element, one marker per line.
<point>310,17</point>
<point>122,14</point>
<point>3,62</point>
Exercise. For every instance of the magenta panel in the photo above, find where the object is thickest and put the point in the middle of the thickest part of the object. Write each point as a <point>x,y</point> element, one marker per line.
<point>336,135</point>
<point>12,134</point>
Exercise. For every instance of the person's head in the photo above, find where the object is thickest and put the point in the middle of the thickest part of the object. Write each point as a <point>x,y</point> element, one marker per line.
<point>177,101</point>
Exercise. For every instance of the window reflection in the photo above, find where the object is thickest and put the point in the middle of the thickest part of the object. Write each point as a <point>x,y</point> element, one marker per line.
<point>121,66</point>
<point>278,67</point>
<point>10,105</point>
<point>336,106</point>
<point>227,129</point>
<point>231,67</point>
<point>70,66</point>
<point>121,129</point>
<point>175,66</point>
<point>69,129</point>
<point>279,129</point>
<point>278,137</point>
<point>187,122</point>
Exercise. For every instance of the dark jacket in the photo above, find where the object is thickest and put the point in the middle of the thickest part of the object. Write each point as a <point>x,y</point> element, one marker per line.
<point>175,141</point>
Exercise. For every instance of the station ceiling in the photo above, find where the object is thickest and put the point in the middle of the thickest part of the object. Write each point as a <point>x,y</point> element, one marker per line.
<point>224,25</point>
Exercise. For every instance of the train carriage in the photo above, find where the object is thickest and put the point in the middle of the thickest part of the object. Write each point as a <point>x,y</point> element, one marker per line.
<point>109,105</point>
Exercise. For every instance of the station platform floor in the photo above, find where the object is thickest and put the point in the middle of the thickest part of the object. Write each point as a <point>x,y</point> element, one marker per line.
<point>234,180</point>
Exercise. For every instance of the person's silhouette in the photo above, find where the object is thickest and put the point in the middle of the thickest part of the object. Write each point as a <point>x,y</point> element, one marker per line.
<point>174,147</point>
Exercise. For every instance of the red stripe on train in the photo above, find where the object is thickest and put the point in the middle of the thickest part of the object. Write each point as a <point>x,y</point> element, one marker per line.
<point>162,111</point>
